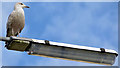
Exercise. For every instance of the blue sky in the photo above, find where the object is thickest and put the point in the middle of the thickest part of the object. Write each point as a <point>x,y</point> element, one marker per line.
<point>93,24</point>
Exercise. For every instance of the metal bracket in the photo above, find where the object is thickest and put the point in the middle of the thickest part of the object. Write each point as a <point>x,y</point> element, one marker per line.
<point>47,42</point>
<point>102,50</point>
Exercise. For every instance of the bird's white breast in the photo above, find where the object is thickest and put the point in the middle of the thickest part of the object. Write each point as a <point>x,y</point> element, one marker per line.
<point>19,20</point>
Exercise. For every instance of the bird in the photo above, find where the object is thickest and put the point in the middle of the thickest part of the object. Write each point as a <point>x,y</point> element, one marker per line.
<point>16,20</point>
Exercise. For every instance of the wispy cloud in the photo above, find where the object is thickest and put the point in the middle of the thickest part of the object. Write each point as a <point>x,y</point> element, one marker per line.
<point>81,24</point>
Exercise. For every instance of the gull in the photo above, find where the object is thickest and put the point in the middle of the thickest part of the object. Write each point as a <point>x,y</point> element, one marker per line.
<point>16,20</point>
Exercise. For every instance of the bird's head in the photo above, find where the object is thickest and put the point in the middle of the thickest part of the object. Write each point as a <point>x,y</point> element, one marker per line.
<point>20,5</point>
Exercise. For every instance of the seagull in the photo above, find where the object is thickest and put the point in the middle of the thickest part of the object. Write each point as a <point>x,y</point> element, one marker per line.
<point>16,20</point>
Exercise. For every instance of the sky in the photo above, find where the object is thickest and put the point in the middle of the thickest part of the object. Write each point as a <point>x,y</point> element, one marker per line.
<point>92,24</point>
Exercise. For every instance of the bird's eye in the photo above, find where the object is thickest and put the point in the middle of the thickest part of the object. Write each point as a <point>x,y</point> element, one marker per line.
<point>21,3</point>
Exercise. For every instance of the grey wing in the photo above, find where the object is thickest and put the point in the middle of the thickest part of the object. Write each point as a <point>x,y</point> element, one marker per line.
<point>9,25</point>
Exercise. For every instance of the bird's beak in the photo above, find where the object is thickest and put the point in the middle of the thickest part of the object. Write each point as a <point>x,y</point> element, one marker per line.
<point>27,7</point>
<point>24,6</point>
